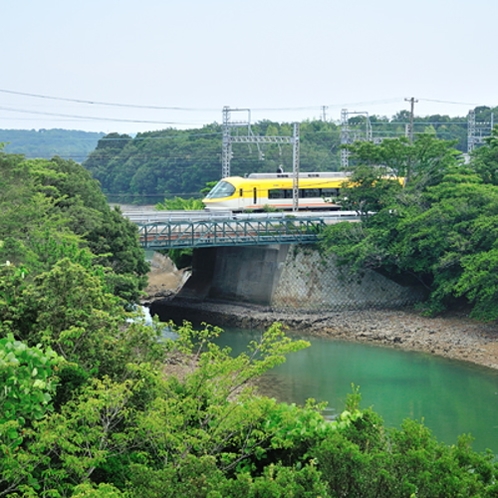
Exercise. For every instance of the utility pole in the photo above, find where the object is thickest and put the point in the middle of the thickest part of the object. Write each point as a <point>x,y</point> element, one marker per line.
<point>324,112</point>
<point>410,135</point>
<point>295,168</point>
<point>226,153</point>
<point>412,107</point>
<point>344,139</point>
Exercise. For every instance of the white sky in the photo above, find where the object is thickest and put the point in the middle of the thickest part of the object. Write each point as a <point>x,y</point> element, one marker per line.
<point>284,60</point>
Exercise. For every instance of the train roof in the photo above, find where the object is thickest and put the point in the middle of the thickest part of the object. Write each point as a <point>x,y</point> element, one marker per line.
<point>318,174</point>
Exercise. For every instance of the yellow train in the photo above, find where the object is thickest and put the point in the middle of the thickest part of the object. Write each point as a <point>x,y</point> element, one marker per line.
<point>260,191</point>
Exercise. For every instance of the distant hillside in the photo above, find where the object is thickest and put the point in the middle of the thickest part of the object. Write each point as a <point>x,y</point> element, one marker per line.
<point>68,144</point>
<point>178,163</point>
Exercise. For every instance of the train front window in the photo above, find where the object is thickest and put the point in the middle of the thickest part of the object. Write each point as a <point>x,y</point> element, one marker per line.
<point>221,189</point>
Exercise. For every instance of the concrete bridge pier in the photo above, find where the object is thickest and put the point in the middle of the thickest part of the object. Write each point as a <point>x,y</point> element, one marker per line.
<point>245,274</point>
<point>289,277</point>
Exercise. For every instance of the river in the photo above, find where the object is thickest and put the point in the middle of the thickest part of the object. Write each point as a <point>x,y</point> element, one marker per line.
<point>450,397</point>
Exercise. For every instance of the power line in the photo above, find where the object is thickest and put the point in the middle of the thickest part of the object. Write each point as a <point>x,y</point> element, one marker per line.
<point>450,102</point>
<point>113,104</point>
<point>96,118</point>
<point>178,108</point>
<point>196,109</point>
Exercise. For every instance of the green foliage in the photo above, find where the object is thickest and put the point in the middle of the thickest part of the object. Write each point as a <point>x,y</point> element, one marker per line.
<point>199,477</point>
<point>199,416</point>
<point>203,431</point>
<point>103,490</point>
<point>115,243</point>
<point>15,300</point>
<point>182,258</point>
<point>27,379</point>
<point>479,284</point>
<point>122,411</point>
<point>88,429</point>
<point>209,186</point>
<point>367,461</point>
<point>173,163</point>
<point>439,231</point>
<point>485,159</point>
<point>179,163</point>
<point>422,163</point>
<point>368,190</point>
<point>180,204</point>
<point>54,209</point>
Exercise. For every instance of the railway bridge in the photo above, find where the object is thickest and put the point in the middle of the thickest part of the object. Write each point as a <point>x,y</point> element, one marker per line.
<point>266,259</point>
<point>197,229</point>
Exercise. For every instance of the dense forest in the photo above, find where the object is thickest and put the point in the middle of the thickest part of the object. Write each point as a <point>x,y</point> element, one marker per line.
<point>97,403</point>
<point>169,163</point>
<point>68,144</point>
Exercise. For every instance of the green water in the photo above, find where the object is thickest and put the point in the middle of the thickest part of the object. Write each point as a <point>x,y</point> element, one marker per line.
<point>451,397</point>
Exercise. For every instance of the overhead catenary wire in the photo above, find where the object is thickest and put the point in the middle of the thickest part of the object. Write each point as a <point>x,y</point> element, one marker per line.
<point>180,123</point>
<point>180,108</point>
<point>211,109</point>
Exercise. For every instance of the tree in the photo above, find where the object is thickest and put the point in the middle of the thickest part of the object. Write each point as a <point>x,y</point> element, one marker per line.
<point>55,209</point>
<point>368,190</point>
<point>485,159</point>
<point>438,231</point>
<point>28,383</point>
<point>70,144</point>
<point>422,163</point>
<point>27,376</point>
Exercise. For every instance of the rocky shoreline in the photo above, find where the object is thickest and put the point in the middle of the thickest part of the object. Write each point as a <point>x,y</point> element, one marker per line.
<point>454,336</point>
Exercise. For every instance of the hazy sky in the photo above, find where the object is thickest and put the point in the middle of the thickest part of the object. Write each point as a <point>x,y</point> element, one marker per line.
<point>284,60</point>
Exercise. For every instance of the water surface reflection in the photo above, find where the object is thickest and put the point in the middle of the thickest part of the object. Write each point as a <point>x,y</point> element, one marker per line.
<point>451,397</point>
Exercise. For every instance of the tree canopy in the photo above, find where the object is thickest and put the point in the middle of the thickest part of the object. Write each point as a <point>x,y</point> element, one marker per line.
<point>438,231</point>
<point>53,209</point>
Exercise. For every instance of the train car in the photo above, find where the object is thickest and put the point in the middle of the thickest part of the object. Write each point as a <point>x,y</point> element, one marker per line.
<point>260,191</point>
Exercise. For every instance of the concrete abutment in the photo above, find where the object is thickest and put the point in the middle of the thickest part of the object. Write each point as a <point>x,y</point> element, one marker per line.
<point>289,277</point>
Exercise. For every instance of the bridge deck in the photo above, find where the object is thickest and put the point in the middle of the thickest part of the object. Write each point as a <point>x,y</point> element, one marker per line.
<point>174,230</point>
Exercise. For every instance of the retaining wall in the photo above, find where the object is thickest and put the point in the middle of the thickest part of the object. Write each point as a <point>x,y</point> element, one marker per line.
<point>289,277</point>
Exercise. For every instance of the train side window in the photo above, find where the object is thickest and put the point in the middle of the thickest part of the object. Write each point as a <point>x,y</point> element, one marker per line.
<point>255,195</point>
<point>307,192</point>
<point>311,192</point>
<point>330,192</point>
<point>276,193</point>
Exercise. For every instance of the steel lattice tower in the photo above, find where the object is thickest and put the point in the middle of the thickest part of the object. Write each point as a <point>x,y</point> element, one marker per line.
<point>347,136</point>
<point>477,132</point>
<point>228,139</point>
